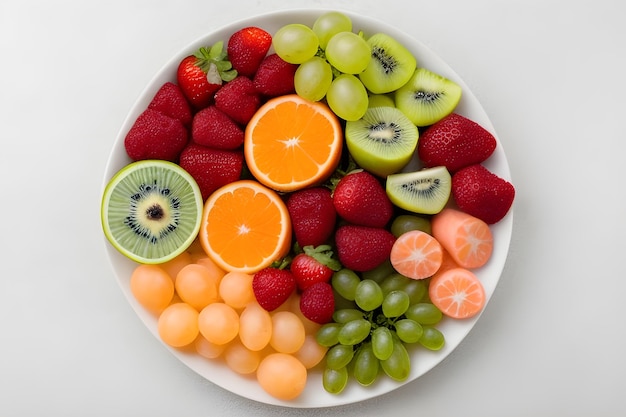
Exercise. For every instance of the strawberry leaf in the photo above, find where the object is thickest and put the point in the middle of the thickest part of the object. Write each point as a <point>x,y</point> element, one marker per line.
<point>324,255</point>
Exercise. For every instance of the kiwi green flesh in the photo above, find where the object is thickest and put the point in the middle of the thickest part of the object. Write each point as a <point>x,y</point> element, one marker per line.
<point>151,211</point>
<point>391,66</point>
<point>427,97</point>
<point>382,141</point>
<point>424,192</point>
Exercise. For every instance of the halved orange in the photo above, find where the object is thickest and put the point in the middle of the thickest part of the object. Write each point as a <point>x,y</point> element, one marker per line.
<point>292,143</point>
<point>245,227</point>
<point>416,254</point>
<point>457,292</point>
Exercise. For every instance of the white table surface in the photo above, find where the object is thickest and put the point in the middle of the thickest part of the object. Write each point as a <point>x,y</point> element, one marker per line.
<point>551,76</point>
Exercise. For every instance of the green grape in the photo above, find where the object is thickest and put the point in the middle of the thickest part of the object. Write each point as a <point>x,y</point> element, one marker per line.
<point>395,303</point>
<point>382,343</point>
<point>339,356</point>
<point>379,273</point>
<point>347,97</point>
<point>409,331</point>
<point>381,100</point>
<point>295,43</point>
<point>329,24</point>
<point>312,78</point>
<point>345,282</point>
<point>395,281</point>
<point>354,332</point>
<point>335,380</point>
<point>365,365</point>
<point>407,222</point>
<point>348,52</point>
<point>368,295</point>
<point>398,366</point>
<point>327,335</point>
<point>432,339</point>
<point>416,289</point>
<point>345,315</point>
<point>341,302</point>
<point>424,313</point>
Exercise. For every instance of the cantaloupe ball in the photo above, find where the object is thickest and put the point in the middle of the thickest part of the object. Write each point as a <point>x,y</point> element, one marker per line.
<point>152,287</point>
<point>235,288</point>
<point>196,286</point>
<point>208,349</point>
<point>255,327</point>
<point>218,323</point>
<point>241,359</point>
<point>178,324</point>
<point>311,353</point>
<point>282,376</point>
<point>287,332</point>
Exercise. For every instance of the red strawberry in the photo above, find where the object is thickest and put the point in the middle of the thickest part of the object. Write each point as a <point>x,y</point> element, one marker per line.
<point>212,128</point>
<point>155,136</point>
<point>359,198</point>
<point>275,76</point>
<point>481,193</point>
<point>272,287</point>
<point>313,215</point>
<point>455,142</point>
<point>171,101</point>
<point>315,264</point>
<point>211,168</point>
<point>317,303</point>
<point>238,99</point>
<point>362,248</point>
<point>246,49</point>
<point>200,75</point>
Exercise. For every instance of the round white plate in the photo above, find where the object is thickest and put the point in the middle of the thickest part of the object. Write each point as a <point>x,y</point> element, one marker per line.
<point>422,360</point>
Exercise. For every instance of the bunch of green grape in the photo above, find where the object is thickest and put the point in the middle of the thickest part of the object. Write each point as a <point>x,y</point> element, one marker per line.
<point>330,55</point>
<point>381,315</point>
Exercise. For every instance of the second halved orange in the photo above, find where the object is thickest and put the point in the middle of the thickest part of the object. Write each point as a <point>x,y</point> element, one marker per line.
<point>245,227</point>
<point>292,143</point>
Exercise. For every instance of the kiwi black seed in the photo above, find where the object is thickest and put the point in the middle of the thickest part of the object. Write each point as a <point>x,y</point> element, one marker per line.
<point>151,211</point>
<point>383,141</point>
<point>427,97</point>
<point>426,191</point>
<point>391,66</point>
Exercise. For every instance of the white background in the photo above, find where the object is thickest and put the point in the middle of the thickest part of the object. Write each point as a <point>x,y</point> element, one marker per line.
<point>551,76</point>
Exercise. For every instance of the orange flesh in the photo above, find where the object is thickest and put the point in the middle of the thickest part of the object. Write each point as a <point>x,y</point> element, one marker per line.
<point>245,227</point>
<point>292,143</point>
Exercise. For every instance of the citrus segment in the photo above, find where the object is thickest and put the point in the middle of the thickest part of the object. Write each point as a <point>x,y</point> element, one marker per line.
<point>457,292</point>
<point>245,227</point>
<point>416,254</point>
<point>466,238</point>
<point>291,143</point>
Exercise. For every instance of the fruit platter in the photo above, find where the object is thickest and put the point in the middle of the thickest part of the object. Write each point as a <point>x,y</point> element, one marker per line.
<point>308,208</point>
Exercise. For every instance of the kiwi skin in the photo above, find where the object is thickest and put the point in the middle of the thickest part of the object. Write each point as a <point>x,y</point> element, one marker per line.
<point>424,192</point>
<point>427,97</point>
<point>391,66</point>
<point>383,141</point>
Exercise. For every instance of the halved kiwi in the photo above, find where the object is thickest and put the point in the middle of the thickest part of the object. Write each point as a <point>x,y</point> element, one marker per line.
<point>151,211</point>
<point>382,141</point>
<point>427,97</point>
<point>426,191</point>
<point>391,66</point>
